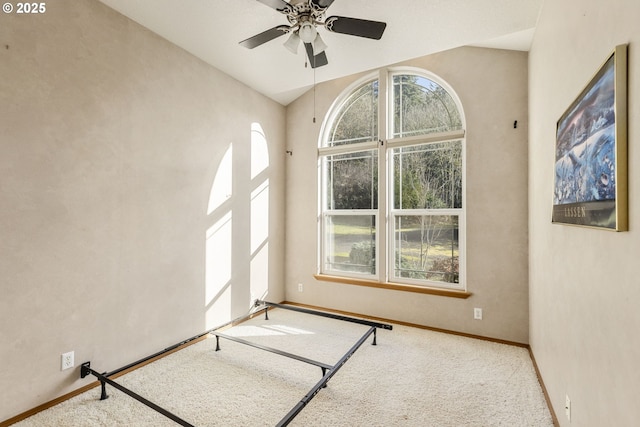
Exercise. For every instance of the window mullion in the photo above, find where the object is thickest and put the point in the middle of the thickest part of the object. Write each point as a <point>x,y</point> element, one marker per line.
<point>383,179</point>
<point>427,139</point>
<point>342,149</point>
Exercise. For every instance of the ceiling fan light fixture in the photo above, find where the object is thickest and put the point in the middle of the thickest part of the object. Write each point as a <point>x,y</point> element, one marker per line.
<point>307,32</point>
<point>319,45</point>
<point>292,43</point>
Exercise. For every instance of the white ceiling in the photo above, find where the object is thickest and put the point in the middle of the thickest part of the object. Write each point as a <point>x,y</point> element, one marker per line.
<point>211,30</point>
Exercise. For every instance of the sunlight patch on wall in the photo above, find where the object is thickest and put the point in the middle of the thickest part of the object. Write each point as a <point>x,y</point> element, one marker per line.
<point>231,278</point>
<point>218,265</point>
<point>259,269</point>
<point>260,274</point>
<point>259,150</point>
<point>222,188</point>
<point>259,215</point>
<point>218,271</point>
<point>219,312</point>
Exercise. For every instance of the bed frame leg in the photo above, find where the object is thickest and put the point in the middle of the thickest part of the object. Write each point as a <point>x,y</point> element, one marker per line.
<point>217,343</point>
<point>85,370</point>
<point>103,394</point>
<point>324,372</point>
<point>374,337</point>
<point>266,313</point>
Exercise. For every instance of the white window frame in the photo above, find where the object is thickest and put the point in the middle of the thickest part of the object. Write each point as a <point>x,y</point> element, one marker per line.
<point>385,214</point>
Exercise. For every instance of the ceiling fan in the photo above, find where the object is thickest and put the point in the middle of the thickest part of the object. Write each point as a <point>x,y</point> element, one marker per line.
<point>304,17</point>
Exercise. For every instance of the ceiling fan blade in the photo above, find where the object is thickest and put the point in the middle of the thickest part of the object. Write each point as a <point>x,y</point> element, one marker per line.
<point>356,27</point>
<point>322,4</point>
<point>316,61</point>
<point>279,5</point>
<point>264,36</point>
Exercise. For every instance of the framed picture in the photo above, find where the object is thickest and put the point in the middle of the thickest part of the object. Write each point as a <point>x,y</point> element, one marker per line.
<point>590,186</point>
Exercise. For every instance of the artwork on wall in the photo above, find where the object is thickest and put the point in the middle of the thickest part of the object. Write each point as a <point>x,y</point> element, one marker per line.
<point>590,185</point>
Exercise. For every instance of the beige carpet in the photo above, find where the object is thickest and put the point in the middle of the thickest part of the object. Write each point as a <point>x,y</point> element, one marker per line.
<point>413,377</point>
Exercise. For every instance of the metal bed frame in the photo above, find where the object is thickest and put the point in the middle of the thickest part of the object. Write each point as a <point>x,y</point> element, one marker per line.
<point>328,370</point>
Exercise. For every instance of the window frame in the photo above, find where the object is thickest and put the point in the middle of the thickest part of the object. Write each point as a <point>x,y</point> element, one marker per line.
<point>385,216</point>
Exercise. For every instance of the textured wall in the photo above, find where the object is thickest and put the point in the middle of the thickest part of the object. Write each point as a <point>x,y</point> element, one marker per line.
<point>110,141</point>
<point>584,286</point>
<point>492,86</point>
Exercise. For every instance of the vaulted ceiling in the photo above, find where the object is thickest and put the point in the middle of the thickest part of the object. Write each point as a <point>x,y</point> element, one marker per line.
<point>211,30</point>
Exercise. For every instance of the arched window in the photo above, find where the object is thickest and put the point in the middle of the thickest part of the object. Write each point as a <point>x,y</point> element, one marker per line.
<point>392,182</point>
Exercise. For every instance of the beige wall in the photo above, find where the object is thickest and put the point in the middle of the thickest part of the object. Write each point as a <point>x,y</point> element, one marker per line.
<point>584,286</point>
<point>492,86</point>
<point>110,139</point>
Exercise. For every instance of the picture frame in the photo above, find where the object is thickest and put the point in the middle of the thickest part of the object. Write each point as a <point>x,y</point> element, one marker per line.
<point>590,182</point>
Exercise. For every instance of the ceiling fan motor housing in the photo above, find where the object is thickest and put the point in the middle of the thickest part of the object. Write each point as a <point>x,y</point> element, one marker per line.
<point>305,11</point>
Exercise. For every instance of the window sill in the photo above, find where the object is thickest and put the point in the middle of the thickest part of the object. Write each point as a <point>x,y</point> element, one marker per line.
<point>394,286</point>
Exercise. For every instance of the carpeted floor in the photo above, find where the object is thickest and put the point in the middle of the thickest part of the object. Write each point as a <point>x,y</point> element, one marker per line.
<point>413,377</point>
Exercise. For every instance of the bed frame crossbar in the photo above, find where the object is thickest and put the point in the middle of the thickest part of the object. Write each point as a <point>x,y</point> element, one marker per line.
<point>328,371</point>
<point>323,382</point>
<point>270,349</point>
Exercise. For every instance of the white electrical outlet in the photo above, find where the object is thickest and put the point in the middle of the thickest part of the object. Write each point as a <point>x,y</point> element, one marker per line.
<point>300,287</point>
<point>66,361</point>
<point>567,407</point>
<point>477,313</point>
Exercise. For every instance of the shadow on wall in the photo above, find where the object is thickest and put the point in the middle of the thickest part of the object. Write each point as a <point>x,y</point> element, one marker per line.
<point>224,238</point>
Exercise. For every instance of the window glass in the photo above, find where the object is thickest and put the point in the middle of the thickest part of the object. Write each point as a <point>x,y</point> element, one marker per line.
<point>428,176</point>
<point>426,248</point>
<point>421,106</point>
<point>351,180</point>
<point>350,243</point>
<point>357,117</point>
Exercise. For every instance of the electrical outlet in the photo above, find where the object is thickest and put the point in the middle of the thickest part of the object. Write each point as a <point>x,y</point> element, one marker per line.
<point>300,287</point>
<point>567,407</point>
<point>66,361</point>
<point>477,313</point>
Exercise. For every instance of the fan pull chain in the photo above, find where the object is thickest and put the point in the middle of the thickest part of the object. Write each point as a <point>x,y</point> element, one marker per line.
<point>306,65</point>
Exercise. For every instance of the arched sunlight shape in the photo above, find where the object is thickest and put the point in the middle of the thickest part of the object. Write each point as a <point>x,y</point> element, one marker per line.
<point>260,241</point>
<point>259,272</point>
<point>218,260</point>
<point>222,187</point>
<point>259,150</point>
